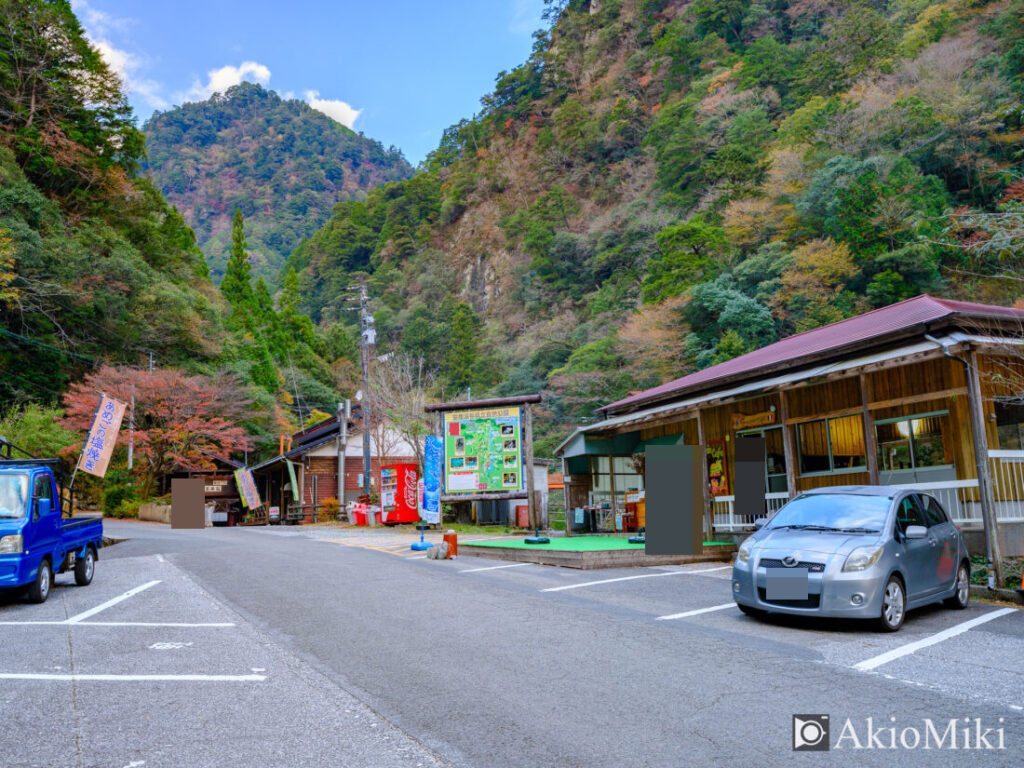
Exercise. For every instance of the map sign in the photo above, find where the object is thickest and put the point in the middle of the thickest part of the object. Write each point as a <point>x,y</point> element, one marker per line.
<point>483,451</point>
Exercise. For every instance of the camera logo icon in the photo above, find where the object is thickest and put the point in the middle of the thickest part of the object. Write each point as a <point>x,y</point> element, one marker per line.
<point>810,733</point>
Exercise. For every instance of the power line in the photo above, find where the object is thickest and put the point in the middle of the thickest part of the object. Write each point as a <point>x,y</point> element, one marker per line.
<point>44,345</point>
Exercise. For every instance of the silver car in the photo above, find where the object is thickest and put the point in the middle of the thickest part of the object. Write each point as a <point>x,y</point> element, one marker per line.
<point>871,552</point>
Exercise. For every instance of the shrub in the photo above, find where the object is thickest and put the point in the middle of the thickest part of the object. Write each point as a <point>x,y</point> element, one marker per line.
<point>330,508</point>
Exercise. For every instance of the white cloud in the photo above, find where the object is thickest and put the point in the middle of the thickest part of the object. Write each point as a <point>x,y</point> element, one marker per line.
<point>333,108</point>
<point>98,26</point>
<point>525,17</point>
<point>98,22</point>
<point>219,80</point>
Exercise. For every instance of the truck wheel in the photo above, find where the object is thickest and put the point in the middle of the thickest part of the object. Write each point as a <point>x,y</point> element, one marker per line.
<point>85,567</point>
<point>39,590</point>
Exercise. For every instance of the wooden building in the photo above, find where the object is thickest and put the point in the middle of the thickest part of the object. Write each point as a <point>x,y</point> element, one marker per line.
<point>314,456</point>
<point>927,392</point>
<point>218,487</point>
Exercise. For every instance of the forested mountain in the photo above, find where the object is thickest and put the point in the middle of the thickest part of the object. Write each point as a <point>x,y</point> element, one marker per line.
<point>98,272</point>
<point>280,161</point>
<point>666,184</point>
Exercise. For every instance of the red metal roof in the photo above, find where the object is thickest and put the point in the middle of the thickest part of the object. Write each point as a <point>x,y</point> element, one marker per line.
<point>871,326</point>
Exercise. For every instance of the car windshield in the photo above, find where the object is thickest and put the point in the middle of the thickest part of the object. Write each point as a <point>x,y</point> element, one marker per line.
<point>833,511</point>
<point>13,495</point>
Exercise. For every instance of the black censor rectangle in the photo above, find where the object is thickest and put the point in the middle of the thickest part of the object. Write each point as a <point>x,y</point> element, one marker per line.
<point>674,493</point>
<point>188,497</point>
<point>749,477</point>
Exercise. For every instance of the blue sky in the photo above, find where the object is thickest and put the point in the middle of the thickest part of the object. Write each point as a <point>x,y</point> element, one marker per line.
<point>400,71</point>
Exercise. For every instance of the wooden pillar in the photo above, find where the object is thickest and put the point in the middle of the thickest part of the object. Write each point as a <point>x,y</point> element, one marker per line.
<point>566,495</point>
<point>533,512</point>
<point>611,484</point>
<point>788,447</point>
<point>439,433</point>
<point>980,433</point>
<point>702,456</point>
<point>870,442</point>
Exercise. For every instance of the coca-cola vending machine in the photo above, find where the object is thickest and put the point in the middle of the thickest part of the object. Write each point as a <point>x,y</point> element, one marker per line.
<point>398,500</point>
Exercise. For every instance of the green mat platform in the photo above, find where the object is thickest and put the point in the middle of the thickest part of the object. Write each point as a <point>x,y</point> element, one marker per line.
<point>590,552</point>
<point>579,544</point>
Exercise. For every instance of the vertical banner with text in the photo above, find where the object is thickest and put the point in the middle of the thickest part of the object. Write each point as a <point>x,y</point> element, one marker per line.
<point>432,458</point>
<point>247,489</point>
<point>99,445</point>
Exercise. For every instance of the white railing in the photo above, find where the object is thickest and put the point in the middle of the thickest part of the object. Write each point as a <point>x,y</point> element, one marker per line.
<point>1008,485</point>
<point>958,497</point>
<point>724,517</point>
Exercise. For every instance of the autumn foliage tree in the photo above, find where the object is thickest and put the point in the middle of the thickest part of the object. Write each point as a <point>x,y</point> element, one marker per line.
<point>181,421</point>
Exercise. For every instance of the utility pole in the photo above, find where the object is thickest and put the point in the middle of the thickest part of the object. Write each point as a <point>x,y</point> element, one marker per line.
<point>131,435</point>
<point>368,339</point>
<point>344,409</point>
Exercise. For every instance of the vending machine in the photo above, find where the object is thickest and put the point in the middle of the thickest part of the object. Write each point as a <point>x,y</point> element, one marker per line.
<point>398,499</point>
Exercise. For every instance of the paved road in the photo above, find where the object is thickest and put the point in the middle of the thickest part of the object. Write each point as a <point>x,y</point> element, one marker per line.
<point>304,651</point>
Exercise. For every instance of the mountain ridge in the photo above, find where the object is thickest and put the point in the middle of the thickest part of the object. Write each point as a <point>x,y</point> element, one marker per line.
<point>283,163</point>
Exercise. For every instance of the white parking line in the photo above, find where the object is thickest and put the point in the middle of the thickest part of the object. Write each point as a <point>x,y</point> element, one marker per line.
<point>138,678</point>
<point>630,578</point>
<point>494,567</point>
<point>938,637</point>
<point>109,603</point>
<point>116,624</point>
<point>684,614</point>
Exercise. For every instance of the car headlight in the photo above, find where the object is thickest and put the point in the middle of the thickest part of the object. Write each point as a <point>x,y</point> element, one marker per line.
<point>863,558</point>
<point>743,553</point>
<point>11,545</point>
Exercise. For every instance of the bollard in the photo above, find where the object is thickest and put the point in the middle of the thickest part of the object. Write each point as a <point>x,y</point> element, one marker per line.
<point>452,540</point>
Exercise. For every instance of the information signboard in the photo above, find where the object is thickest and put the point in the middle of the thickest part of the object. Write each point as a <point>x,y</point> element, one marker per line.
<point>483,450</point>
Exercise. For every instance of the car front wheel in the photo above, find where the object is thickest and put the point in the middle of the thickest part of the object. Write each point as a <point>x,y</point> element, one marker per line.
<point>39,589</point>
<point>894,605</point>
<point>962,594</point>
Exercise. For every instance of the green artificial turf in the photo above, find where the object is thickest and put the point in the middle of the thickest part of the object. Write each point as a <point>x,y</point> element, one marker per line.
<point>576,544</point>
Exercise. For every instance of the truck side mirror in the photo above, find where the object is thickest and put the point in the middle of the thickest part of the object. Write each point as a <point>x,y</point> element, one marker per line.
<point>42,509</point>
<point>759,523</point>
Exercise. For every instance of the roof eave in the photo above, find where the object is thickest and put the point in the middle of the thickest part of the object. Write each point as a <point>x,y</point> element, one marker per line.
<point>811,359</point>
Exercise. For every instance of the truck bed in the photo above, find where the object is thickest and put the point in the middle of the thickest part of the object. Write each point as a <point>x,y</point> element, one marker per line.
<point>78,531</point>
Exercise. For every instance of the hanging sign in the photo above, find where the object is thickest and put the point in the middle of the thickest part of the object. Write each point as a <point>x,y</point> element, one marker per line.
<point>295,484</point>
<point>745,420</point>
<point>247,489</point>
<point>99,445</point>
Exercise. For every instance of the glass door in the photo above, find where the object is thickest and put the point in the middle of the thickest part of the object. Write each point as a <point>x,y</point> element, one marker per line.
<point>774,457</point>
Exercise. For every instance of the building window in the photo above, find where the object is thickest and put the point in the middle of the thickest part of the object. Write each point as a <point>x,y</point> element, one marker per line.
<point>831,445</point>
<point>1010,425</point>
<point>912,442</point>
<point>626,479</point>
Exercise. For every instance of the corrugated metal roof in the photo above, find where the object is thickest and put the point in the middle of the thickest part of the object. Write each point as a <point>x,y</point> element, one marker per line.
<point>678,406</point>
<point>864,329</point>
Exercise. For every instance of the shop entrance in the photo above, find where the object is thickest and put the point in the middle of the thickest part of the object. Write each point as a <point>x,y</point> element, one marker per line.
<point>774,457</point>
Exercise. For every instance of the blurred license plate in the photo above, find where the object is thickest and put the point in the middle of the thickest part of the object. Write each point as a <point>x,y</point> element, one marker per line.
<point>786,583</point>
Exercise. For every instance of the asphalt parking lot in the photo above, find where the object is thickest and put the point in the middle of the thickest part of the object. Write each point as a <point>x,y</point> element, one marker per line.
<point>290,646</point>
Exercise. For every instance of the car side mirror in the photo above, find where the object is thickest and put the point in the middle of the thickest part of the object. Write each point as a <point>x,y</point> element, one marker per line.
<point>916,532</point>
<point>759,523</point>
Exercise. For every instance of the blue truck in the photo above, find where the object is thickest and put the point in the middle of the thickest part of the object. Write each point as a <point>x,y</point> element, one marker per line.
<point>36,541</point>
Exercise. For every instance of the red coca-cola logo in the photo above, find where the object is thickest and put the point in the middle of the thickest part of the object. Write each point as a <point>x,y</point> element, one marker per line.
<point>411,478</point>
